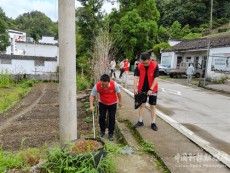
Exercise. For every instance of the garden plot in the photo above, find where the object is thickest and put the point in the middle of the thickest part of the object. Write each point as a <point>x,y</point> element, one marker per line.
<point>37,121</point>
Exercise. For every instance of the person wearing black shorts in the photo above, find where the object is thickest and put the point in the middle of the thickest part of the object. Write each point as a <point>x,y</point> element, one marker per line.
<point>147,73</point>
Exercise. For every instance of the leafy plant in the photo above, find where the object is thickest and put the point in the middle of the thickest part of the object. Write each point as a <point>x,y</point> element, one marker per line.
<point>2,79</point>
<point>59,161</point>
<point>7,80</point>
<point>88,119</point>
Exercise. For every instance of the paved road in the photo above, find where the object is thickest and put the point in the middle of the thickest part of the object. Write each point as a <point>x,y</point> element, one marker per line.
<point>205,113</point>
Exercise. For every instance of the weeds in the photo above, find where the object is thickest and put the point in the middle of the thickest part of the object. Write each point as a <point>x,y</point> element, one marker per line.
<point>83,82</point>
<point>59,161</point>
<point>21,160</point>
<point>88,119</point>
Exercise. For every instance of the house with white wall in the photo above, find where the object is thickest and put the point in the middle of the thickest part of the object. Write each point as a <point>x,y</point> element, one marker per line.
<point>22,64</point>
<point>196,51</point>
<point>15,35</point>
<point>25,56</point>
<point>48,39</point>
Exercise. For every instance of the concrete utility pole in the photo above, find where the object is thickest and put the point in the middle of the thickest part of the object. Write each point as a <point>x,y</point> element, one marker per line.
<point>211,17</point>
<point>67,71</point>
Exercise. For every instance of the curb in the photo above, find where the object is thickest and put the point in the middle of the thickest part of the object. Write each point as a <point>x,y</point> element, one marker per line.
<point>221,91</point>
<point>120,128</point>
<point>221,156</point>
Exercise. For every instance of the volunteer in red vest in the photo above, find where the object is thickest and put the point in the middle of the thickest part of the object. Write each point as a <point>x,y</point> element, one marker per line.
<point>108,91</point>
<point>126,68</point>
<point>148,73</point>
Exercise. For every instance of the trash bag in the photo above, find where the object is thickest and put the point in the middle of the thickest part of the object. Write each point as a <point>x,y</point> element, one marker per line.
<point>139,98</point>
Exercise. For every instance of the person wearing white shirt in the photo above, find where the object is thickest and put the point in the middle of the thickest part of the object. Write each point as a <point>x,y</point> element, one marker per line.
<point>190,72</point>
<point>122,68</point>
<point>113,66</point>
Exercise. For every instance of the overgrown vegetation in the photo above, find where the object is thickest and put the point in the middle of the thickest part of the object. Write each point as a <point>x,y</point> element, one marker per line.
<point>83,82</point>
<point>59,161</point>
<point>8,97</point>
<point>22,159</point>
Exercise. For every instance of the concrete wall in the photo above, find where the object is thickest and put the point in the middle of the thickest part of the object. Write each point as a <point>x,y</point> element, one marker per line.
<point>28,67</point>
<point>47,39</point>
<point>221,53</point>
<point>33,49</point>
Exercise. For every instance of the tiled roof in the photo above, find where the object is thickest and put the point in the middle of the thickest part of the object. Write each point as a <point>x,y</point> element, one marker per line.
<point>201,43</point>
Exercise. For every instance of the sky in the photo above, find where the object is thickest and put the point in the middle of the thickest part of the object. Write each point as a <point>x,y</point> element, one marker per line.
<point>13,8</point>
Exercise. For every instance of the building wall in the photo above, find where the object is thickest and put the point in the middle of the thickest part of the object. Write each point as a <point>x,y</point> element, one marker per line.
<point>221,53</point>
<point>48,40</point>
<point>15,36</point>
<point>33,49</point>
<point>167,58</point>
<point>28,67</point>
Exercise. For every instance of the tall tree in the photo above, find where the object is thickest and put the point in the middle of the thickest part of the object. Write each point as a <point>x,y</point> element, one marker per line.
<point>4,37</point>
<point>89,19</point>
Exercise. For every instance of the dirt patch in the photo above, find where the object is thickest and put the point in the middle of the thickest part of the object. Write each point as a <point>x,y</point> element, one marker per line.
<point>51,96</point>
<point>83,147</point>
<point>40,124</point>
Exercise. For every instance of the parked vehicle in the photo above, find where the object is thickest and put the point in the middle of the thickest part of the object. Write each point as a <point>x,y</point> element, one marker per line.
<point>182,70</point>
<point>162,69</point>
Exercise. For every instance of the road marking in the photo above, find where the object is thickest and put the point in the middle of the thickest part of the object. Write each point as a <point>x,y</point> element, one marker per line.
<point>171,91</point>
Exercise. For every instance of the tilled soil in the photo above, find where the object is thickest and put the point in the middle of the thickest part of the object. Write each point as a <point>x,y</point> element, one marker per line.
<point>38,123</point>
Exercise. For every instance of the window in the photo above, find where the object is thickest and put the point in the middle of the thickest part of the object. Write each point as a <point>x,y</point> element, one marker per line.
<point>197,58</point>
<point>204,57</point>
<point>39,63</point>
<point>6,61</point>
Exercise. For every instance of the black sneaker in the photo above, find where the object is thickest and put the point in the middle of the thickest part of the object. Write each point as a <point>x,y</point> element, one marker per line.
<point>154,127</point>
<point>138,124</point>
<point>101,134</point>
<point>110,137</point>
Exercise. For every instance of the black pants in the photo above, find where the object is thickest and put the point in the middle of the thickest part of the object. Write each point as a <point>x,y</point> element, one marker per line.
<point>122,71</point>
<point>112,111</point>
<point>113,72</point>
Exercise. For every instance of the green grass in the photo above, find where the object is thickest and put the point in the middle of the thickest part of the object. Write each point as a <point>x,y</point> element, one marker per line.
<point>22,159</point>
<point>9,96</point>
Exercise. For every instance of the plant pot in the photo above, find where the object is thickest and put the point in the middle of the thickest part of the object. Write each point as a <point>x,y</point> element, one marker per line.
<point>100,153</point>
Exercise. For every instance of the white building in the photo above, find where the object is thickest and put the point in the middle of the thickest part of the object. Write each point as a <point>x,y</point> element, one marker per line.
<point>21,64</point>
<point>196,51</point>
<point>24,56</point>
<point>48,39</point>
<point>39,49</point>
<point>15,35</point>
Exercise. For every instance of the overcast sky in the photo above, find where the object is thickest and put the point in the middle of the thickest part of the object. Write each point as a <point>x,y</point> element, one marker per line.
<point>13,8</point>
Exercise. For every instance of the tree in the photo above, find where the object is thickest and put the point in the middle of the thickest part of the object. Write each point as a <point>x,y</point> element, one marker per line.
<point>176,31</point>
<point>36,24</point>
<point>89,19</point>
<point>4,37</point>
<point>192,36</point>
<point>138,23</point>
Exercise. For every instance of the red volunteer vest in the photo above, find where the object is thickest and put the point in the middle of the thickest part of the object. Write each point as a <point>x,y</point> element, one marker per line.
<point>126,65</point>
<point>108,96</point>
<point>150,74</point>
